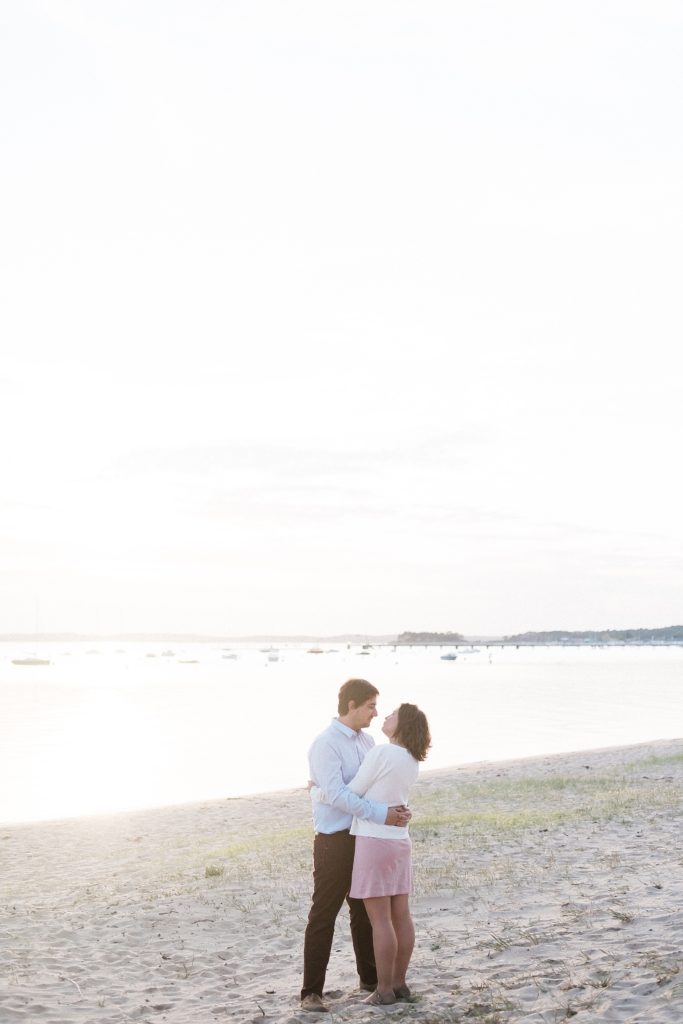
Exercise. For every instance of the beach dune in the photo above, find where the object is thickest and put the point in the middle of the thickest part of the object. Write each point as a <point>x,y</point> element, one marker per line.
<point>547,890</point>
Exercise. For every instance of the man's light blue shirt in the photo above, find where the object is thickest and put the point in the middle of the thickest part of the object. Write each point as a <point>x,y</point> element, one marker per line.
<point>334,758</point>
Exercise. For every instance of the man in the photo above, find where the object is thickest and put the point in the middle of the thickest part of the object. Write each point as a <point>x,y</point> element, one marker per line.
<point>334,759</point>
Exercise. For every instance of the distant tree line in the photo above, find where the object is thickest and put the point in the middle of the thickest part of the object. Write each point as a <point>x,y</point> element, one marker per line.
<point>665,634</point>
<point>430,638</point>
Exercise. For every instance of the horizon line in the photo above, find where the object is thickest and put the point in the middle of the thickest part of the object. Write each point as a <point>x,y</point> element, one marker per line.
<point>351,637</point>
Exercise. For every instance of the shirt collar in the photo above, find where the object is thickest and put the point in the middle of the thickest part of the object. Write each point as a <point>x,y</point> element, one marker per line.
<point>344,729</point>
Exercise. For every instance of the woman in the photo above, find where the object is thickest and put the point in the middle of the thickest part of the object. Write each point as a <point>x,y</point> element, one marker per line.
<point>382,866</point>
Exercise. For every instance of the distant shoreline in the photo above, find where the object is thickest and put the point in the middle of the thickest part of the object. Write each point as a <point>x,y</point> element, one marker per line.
<point>192,638</point>
<point>640,636</point>
<point>675,639</point>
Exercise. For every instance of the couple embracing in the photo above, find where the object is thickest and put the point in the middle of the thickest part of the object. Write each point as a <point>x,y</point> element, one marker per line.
<point>362,851</point>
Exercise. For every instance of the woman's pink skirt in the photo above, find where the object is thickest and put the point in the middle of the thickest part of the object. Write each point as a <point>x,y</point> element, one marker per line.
<point>381,867</point>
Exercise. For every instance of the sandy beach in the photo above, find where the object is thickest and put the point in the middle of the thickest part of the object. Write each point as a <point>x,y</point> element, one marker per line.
<point>547,890</point>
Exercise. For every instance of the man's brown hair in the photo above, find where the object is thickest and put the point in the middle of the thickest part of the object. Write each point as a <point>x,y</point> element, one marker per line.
<point>356,690</point>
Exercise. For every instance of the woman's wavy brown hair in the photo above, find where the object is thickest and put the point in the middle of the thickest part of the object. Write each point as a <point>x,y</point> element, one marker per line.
<point>412,731</point>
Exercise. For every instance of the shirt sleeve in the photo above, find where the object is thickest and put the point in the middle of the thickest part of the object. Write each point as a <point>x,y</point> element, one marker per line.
<point>369,771</point>
<point>327,774</point>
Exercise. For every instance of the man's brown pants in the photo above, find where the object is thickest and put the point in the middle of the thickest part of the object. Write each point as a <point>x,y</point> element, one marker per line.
<point>332,868</point>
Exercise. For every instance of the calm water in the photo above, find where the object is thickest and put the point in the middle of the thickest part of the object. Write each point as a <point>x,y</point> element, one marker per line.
<point>103,728</point>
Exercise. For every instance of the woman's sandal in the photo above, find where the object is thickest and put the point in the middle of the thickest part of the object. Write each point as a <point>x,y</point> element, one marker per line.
<point>376,999</point>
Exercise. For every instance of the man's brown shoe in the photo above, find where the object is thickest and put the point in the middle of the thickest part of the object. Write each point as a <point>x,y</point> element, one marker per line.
<point>314,1003</point>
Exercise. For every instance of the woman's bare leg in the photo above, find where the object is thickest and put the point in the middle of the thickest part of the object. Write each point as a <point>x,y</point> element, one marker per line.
<point>405,937</point>
<point>385,943</point>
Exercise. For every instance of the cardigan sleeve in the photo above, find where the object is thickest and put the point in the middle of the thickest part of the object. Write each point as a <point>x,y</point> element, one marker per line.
<point>372,768</point>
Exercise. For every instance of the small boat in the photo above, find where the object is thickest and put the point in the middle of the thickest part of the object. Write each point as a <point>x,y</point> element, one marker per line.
<point>274,656</point>
<point>188,661</point>
<point>168,654</point>
<point>315,650</point>
<point>361,653</point>
<point>30,661</point>
<point>449,657</point>
<point>230,657</point>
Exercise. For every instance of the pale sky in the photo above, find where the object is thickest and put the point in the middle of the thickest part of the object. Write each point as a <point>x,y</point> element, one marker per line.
<point>323,317</point>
